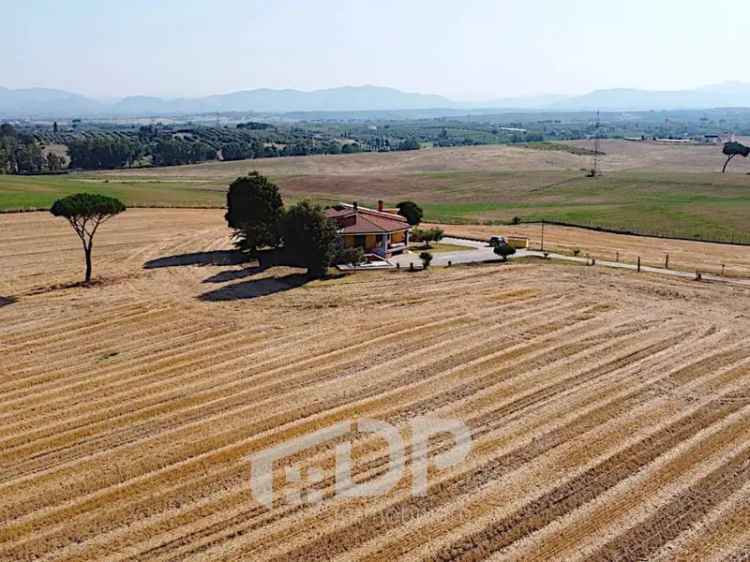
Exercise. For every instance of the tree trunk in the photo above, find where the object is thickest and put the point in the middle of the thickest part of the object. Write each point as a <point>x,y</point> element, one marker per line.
<point>724,170</point>
<point>88,264</point>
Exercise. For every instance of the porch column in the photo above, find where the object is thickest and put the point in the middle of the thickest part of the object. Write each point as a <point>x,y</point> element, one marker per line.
<point>386,243</point>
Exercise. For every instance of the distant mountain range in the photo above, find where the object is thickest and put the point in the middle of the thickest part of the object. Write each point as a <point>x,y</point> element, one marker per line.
<point>47,103</point>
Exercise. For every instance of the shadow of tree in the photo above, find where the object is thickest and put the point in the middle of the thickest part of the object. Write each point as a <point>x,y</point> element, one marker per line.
<point>256,288</point>
<point>219,257</point>
<point>234,274</point>
<point>5,301</point>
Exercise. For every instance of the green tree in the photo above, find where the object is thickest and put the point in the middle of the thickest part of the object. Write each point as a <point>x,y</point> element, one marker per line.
<point>351,148</point>
<point>102,154</point>
<point>411,212</point>
<point>7,130</point>
<point>236,151</point>
<point>732,149</point>
<point>29,158</point>
<point>254,211</point>
<point>310,238</point>
<point>409,144</point>
<point>86,212</point>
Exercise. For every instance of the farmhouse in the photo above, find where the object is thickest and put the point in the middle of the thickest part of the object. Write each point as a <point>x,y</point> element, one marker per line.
<point>380,231</point>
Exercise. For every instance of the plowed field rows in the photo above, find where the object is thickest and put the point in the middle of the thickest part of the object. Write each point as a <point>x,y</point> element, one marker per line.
<point>609,412</point>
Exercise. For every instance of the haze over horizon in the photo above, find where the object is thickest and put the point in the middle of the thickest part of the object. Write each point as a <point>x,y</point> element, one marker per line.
<point>478,50</point>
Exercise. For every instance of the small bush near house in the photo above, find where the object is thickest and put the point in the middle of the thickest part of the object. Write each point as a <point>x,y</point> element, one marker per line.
<point>349,256</point>
<point>426,258</point>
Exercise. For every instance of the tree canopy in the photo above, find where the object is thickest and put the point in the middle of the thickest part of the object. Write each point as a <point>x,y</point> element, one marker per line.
<point>254,211</point>
<point>86,212</point>
<point>19,153</point>
<point>732,149</point>
<point>310,238</point>
<point>411,212</point>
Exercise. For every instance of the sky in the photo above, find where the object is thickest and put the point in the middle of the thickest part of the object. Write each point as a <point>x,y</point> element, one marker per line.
<point>463,49</point>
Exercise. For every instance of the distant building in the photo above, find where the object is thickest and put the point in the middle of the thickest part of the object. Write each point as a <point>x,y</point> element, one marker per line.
<point>675,141</point>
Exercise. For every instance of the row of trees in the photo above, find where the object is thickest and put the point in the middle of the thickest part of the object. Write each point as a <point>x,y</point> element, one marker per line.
<point>21,154</point>
<point>104,153</point>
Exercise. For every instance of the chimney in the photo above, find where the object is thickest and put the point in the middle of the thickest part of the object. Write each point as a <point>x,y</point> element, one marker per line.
<point>355,206</point>
<point>380,205</point>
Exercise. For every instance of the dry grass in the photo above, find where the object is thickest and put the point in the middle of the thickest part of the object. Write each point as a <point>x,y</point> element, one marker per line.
<point>609,411</point>
<point>620,156</point>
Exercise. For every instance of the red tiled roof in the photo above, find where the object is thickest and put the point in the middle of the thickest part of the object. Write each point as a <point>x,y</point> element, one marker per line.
<point>365,221</point>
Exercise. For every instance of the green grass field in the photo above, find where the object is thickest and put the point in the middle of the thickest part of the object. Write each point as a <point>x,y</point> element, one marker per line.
<point>663,200</point>
<point>39,192</point>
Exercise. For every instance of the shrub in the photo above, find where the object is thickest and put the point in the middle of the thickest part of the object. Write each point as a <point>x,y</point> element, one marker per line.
<point>426,258</point>
<point>427,235</point>
<point>349,256</point>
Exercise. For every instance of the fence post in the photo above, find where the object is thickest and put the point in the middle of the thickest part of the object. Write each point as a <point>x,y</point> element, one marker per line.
<point>723,269</point>
<point>666,262</point>
<point>639,264</point>
<point>618,256</point>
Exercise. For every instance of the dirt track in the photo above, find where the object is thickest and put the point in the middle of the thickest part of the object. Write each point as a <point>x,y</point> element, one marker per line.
<point>609,412</point>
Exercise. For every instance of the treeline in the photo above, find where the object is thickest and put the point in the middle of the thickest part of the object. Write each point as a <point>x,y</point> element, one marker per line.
<point>107,153</point>
<point>22,154</point>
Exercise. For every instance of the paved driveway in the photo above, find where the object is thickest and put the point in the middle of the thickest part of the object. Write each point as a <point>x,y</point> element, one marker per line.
<point>478,252</point>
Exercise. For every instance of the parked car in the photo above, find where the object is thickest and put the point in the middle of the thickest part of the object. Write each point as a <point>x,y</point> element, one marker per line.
<point>496,241</point>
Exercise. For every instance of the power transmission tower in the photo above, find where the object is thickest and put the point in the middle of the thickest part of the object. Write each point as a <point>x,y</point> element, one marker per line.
<point>597,145</point>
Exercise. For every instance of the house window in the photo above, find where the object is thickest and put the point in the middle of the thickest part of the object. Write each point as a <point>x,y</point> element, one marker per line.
<point>359,241</point>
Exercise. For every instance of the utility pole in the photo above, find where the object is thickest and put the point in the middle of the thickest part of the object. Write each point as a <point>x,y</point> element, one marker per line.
<point>542,235</point>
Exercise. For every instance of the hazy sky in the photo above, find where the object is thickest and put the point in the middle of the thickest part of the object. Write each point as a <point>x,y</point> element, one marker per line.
<point>464,49</point>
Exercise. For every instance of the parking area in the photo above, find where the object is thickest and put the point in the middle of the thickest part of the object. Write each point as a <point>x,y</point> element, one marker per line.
<point>475,252</point>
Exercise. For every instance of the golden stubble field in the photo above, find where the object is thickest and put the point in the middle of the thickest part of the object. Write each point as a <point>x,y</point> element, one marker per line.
<point>620,156</point>
<point>610,412</point>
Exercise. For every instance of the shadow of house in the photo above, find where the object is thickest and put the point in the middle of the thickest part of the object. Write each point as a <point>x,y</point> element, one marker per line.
<point>255,288</point>
<point>219,257</point>
<point>5,301</point>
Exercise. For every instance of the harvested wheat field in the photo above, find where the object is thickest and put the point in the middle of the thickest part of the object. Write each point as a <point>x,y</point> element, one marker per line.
<point>609,412</point>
